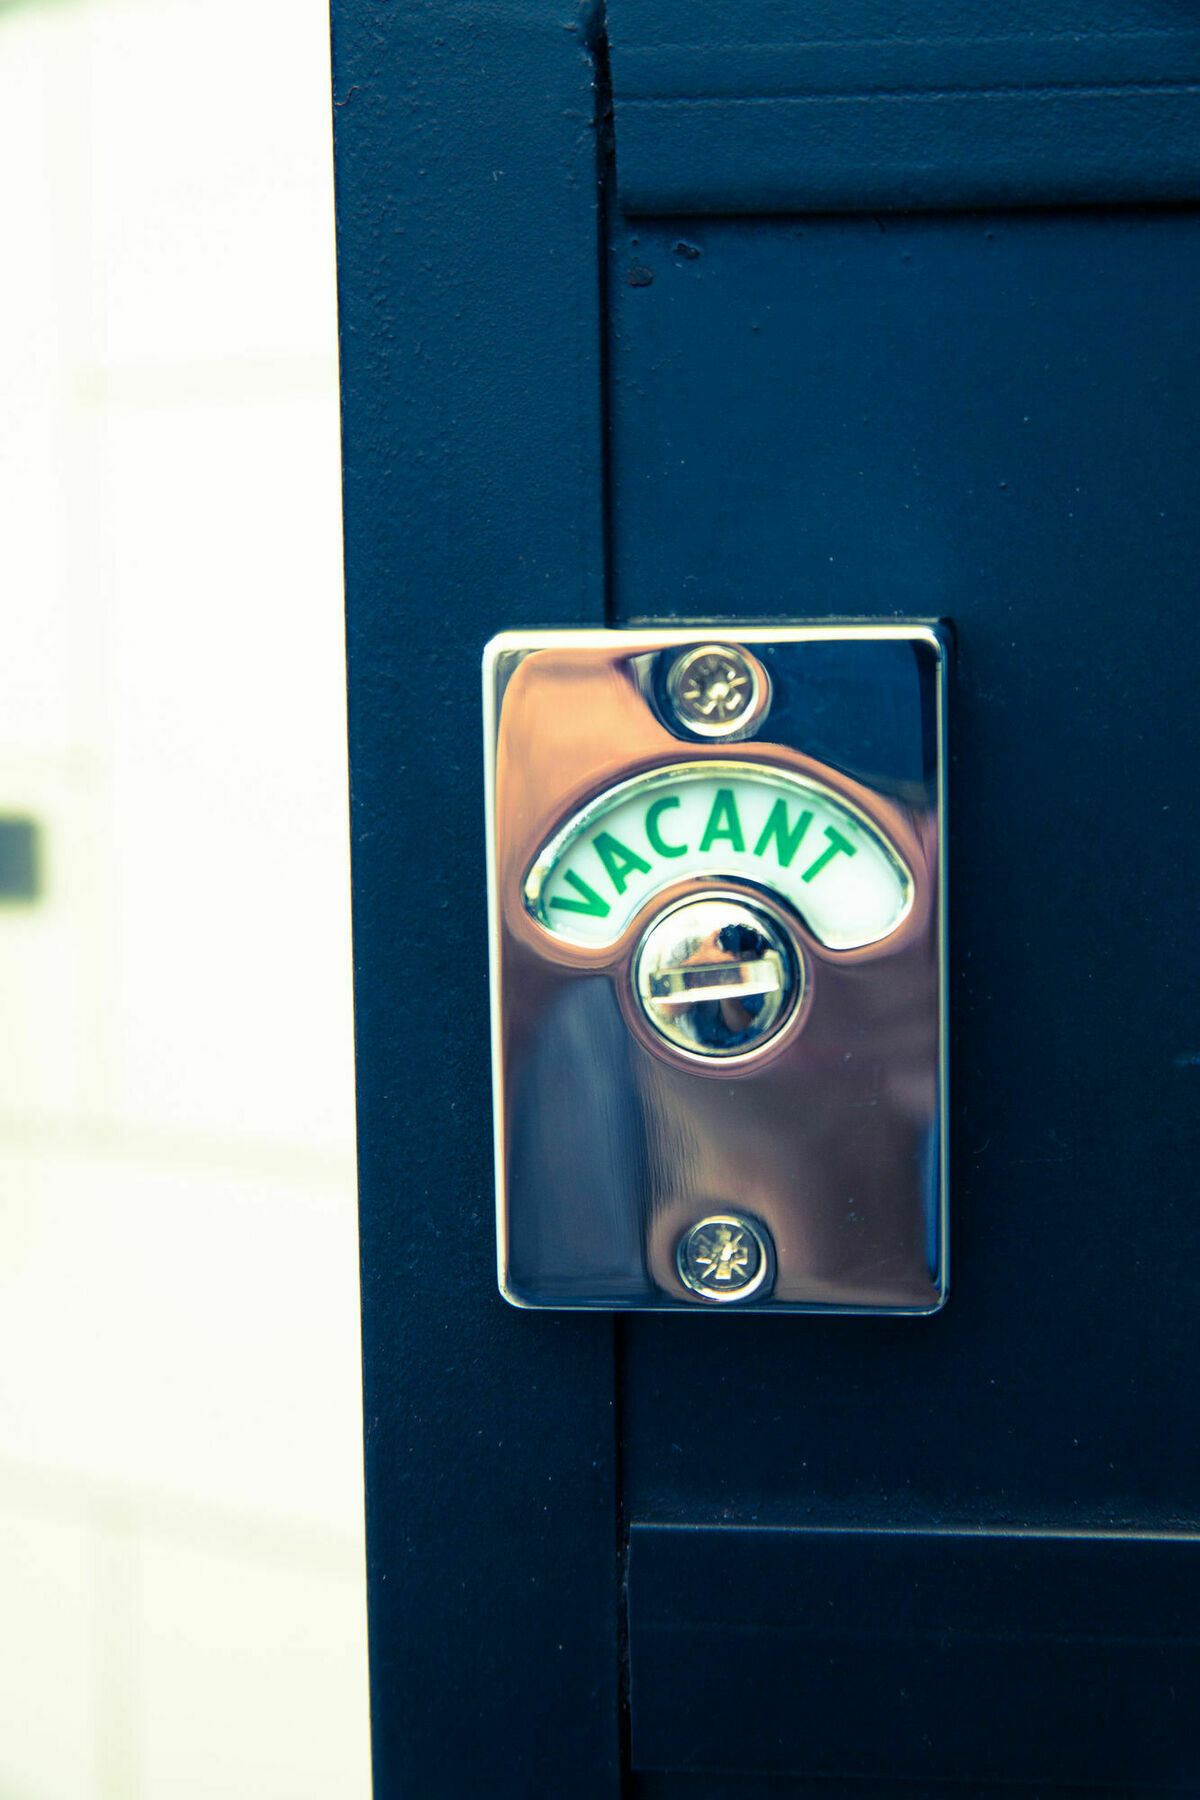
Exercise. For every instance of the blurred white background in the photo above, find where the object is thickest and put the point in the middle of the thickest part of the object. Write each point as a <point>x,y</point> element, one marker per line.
<point>181,1585</point>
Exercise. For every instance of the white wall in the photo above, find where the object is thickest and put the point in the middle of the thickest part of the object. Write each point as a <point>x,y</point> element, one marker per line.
<point>181,1608</point>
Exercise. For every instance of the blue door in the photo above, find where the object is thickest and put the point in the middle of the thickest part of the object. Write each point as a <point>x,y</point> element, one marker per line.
<point>698,313</point>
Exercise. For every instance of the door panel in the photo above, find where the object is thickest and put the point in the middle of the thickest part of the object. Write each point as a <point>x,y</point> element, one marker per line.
<point>854,106</point>
<point>991,419</point>
<point>910,1655</point>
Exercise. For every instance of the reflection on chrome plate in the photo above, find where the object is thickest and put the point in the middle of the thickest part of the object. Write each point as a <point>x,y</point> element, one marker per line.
<point>717,914</point>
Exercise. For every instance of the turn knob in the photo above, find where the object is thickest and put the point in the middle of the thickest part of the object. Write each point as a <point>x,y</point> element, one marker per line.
<point>717,976</point>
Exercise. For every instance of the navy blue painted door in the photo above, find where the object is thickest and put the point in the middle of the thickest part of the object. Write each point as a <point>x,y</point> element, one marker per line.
<point>805,314</point>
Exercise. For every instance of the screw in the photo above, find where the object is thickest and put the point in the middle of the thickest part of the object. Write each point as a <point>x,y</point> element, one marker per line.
<point>714,690</point>
<point>726,1257</point>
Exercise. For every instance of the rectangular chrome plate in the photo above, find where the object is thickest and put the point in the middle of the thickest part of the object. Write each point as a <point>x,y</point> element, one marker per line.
<point>641,1163</point>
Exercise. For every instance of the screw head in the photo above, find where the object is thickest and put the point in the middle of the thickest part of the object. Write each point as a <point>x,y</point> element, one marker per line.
<point>716,976</point>
<point>715,691</point>
<point>725,1257</point>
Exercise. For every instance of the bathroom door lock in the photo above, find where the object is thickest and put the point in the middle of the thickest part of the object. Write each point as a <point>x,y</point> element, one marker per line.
<point>717,917</point>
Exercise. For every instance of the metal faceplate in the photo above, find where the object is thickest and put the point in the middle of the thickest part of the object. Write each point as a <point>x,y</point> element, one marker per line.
<point>717,920</point>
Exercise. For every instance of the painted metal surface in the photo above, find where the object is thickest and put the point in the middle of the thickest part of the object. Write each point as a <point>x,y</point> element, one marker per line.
<point>471,428</point>
<point>839,107</point>
<point>986,417</point>
<point>911,1655</point>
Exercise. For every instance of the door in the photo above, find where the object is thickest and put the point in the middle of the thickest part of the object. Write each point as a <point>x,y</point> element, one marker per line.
<point>703,315</point>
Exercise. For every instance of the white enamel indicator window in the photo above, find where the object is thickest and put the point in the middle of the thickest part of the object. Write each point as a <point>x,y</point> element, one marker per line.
<point>781,831</point>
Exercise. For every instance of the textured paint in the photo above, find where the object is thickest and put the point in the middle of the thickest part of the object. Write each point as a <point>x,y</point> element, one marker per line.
<point>839,107</point>
<point>466,183</point>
